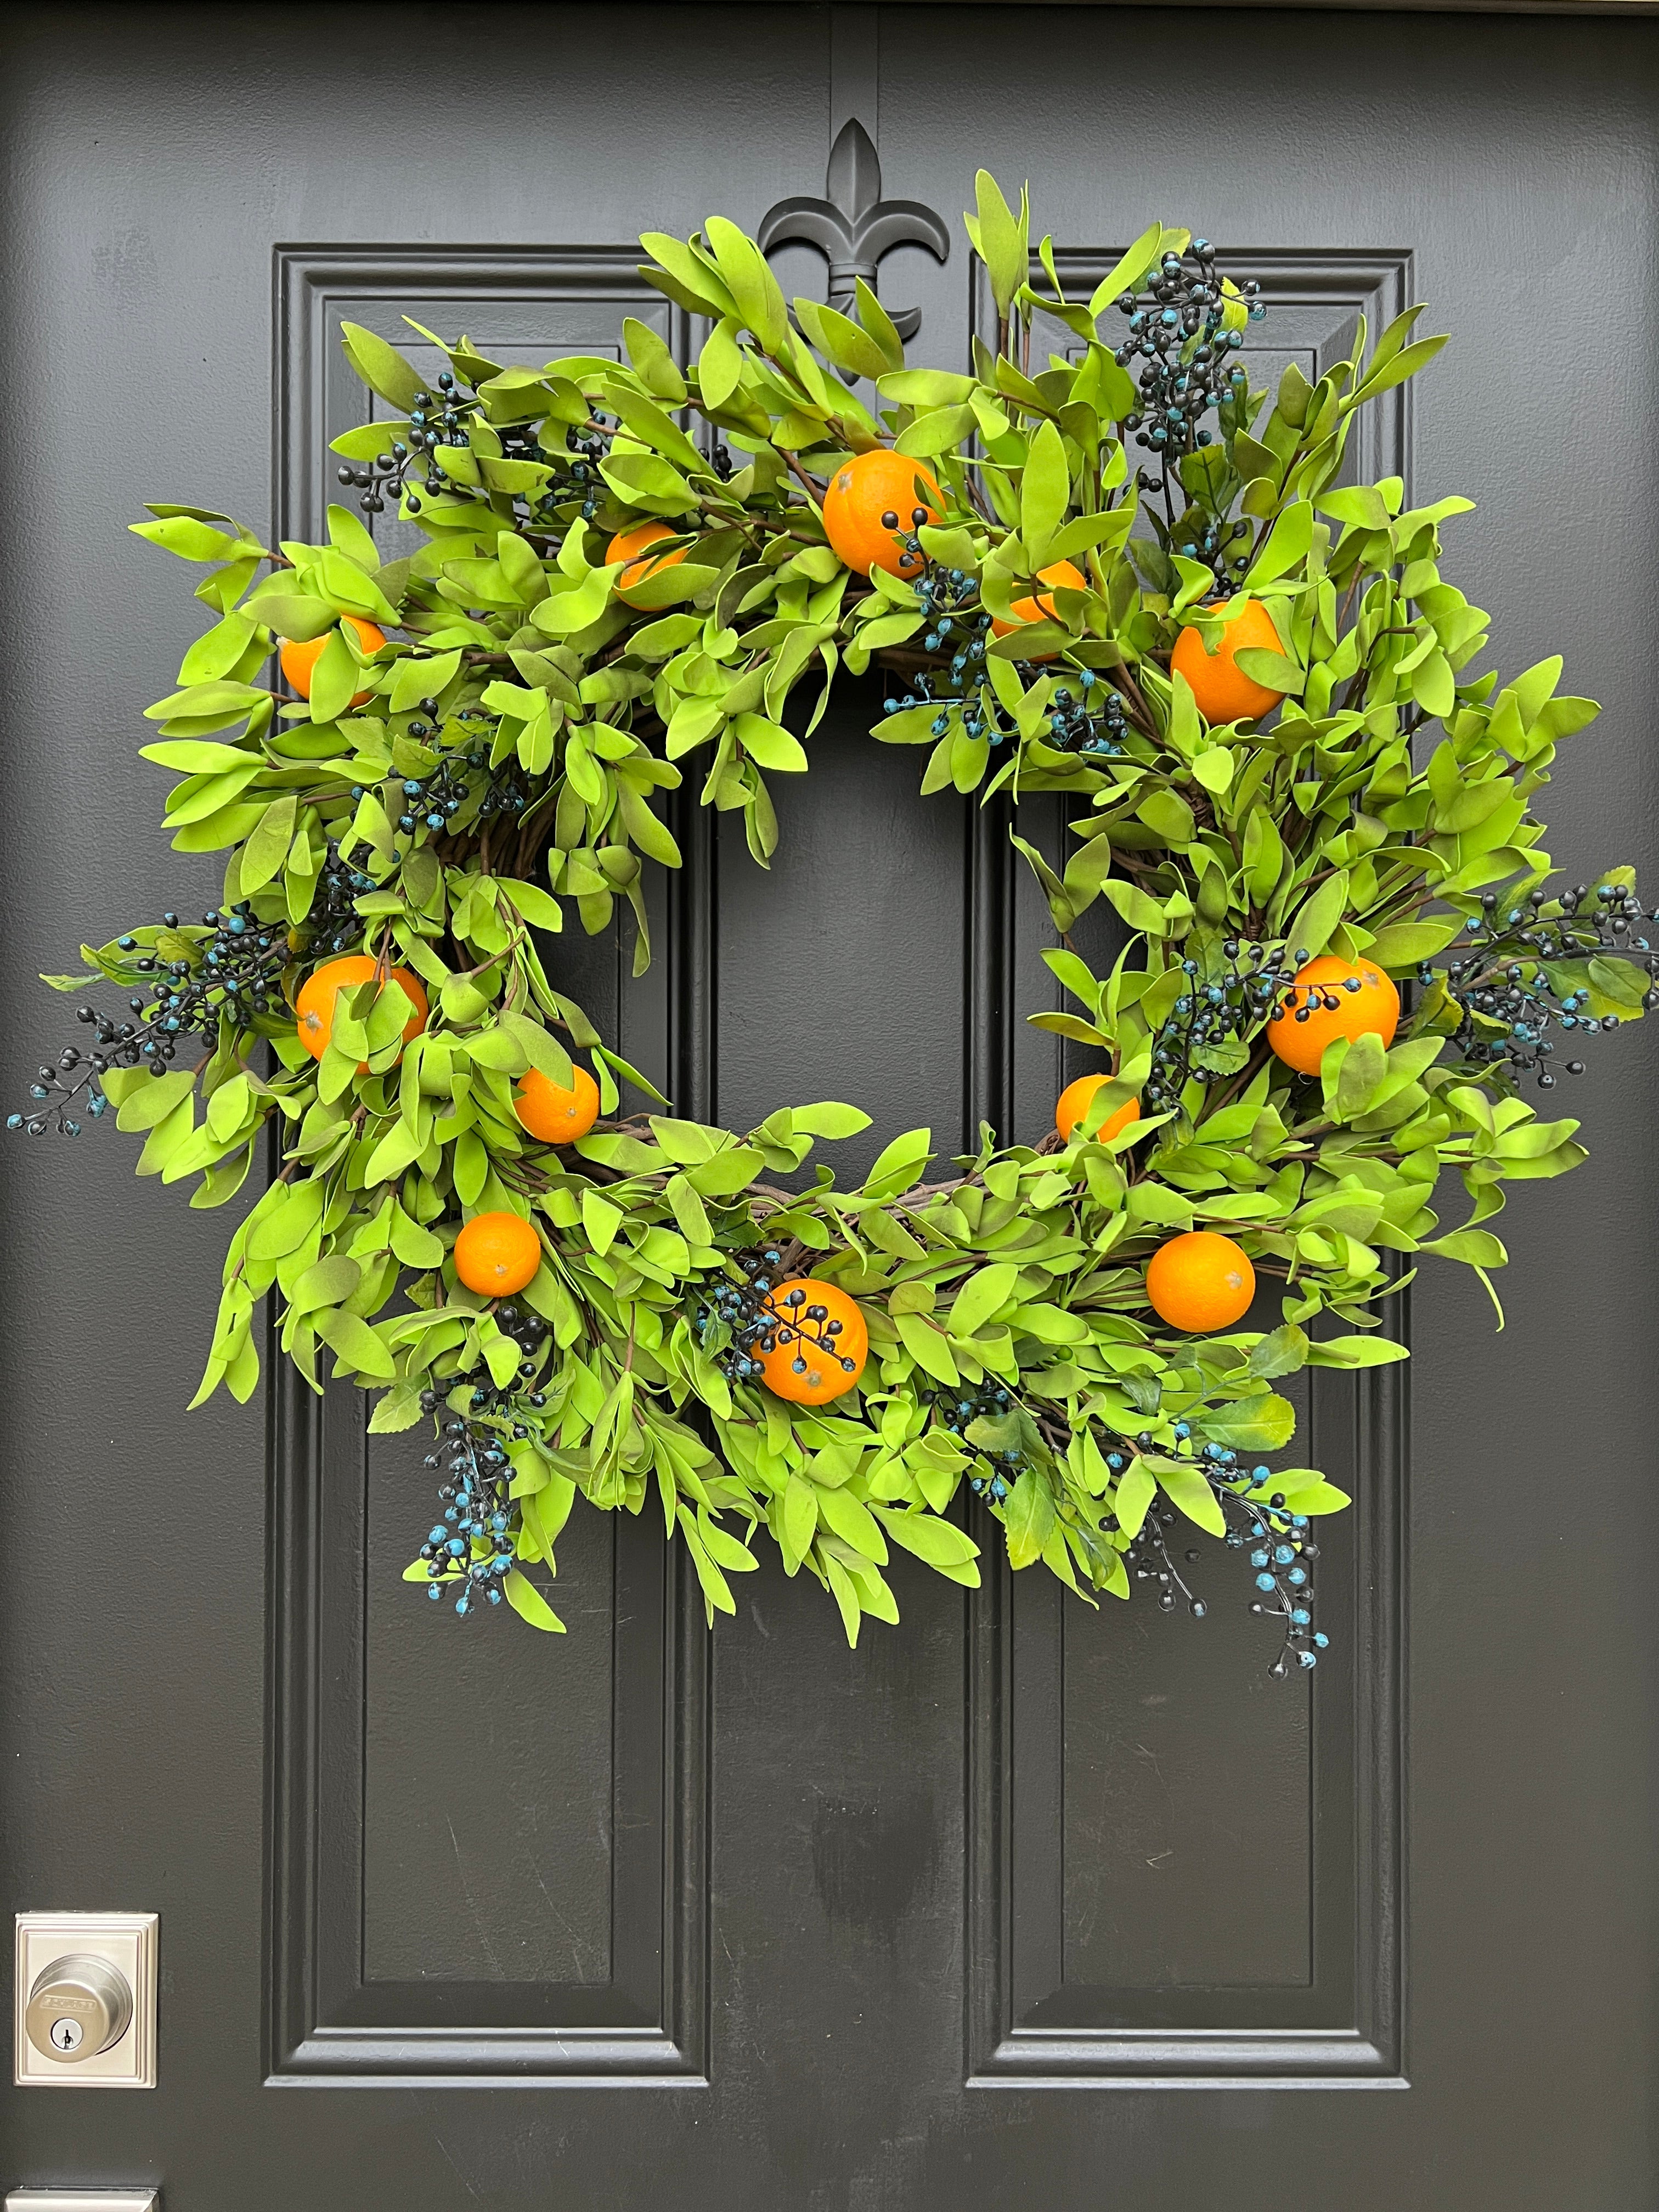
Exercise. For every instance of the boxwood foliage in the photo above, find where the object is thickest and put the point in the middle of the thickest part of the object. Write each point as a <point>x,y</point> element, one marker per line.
<point>496,771</point>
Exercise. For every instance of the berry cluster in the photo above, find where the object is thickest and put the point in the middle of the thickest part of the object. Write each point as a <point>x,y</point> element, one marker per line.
<point>493,1401</point>
<point>736,1322</point>
<point>230,967</point>
<point>994,1472</point>
<point>583,477</point>
<point>797,1323</point>
<point>1279,1540</point>
<point>1092,722</point>
<point>58,1091</point>
<point>1510,1001</point>
<point>1214,1012</point>
<point>433,421</point>
<point>956,623</point>
<point>739,1323</point>
<point>332,922</point>
<point>431,802</point>
<point>473,1543</point>
<point>1175,333</point>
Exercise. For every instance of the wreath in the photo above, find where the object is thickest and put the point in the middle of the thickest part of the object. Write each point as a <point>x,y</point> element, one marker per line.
<point>1117,573</point>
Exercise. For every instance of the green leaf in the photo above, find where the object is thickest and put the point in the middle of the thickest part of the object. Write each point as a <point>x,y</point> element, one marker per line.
<point>538,908</point>
<point>900,1164</point>
<point>1312,1497</point>
<point>267,846</point>
<point>1404,943</point>
<point>1188,1491</point>
<point>727,1173</point>
<point>1127,270</point>
<point>1355,1352</point>
<point>1476,1248</point>
<point>200,756</point>
<point>1027,1518</point>
<point>852,349</point>
<point>1272,669</point>
<point>527,1601</point>
<point>770,743</point>
<point>926,1346</point>
<point>1283,1351</point>
<point>380,366</point>
<point>355,1346</point>
<point>1364,1066</point>
<point>1045,491</point>
<point>328,1282</point>
<point>840,1512</point>
<point>1310,933</point>
<point>144,1108</point>
<point>879,323</point>
<point>1266,1423</point>
<point>601,1220</point>
<point>828,1118</point>
<point>1135,1492</point>
<point>1287,546</point>
<point>985,1293</point>
<point>1407,362</point>
<point>1000,243</point>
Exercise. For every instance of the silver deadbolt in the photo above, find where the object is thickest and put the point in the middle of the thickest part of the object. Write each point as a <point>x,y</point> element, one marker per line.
<point>79,2006</point>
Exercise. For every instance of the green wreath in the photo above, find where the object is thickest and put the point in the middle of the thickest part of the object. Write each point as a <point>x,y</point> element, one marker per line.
<point>1252,682</point>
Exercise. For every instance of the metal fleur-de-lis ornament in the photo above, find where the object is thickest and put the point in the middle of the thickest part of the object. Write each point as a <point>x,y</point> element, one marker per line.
<point>854,226</point>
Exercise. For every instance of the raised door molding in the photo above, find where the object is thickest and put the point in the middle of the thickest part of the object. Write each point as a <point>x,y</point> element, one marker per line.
<point>1316,1996</point>
<point>634,2010</point>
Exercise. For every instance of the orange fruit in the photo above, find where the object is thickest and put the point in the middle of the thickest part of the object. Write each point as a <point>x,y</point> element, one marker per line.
<point>1332,998</point>
<point>551,1112</point>
<point>299,657</point>
<point>315,1005</point>
<point>873,501</point>
<point>497,1254</point>
<point>629,545</point>
<point>1200,1282</point>
<point>1223,692</point>
<point>819,1345</point>
<point>1074,1104</point>
<point>1040,607</point>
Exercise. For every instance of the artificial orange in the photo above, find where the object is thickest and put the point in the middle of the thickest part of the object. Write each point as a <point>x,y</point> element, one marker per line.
<point>497,1254</point>
<point>299,656</point>
<point>314,1006</point>
<point>1332,998</point>
<point>819,1345</point>
<point>1200,1281</point>
<point>629,545</point>
<point>556,1115</point>
<point>873,501</point>
<point>1223,692</point>
<point>1040,607</point>
<point>1074,1104</point>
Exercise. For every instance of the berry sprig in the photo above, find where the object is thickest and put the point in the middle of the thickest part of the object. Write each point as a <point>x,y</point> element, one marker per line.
<point>1214,1014</point>
<point>738,1322</point>
<point>1092,723</point>
<point>228,969</point>
<point>734,1322</point>
<point>1178,337</point>
<point>1510,1001</point>
<point>473,1544</point>
<point>584,449</point>
<point>435,419</point>
<point>994,1470</point>
<point>1262,1520</point>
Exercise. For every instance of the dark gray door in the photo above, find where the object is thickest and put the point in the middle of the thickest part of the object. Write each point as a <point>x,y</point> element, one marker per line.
<point>637,1917</point>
